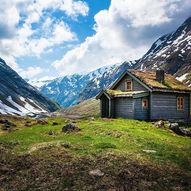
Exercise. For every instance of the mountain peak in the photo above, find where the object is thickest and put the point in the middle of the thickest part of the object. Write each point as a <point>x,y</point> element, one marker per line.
<point>171,52</point>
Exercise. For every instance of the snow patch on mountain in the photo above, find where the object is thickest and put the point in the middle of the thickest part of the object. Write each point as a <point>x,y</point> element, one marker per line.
<point>15,108</point>
<point>183,77</point>
<point>17,97</point>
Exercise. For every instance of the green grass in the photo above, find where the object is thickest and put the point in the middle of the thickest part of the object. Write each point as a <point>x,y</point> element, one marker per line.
<point>99,136</point>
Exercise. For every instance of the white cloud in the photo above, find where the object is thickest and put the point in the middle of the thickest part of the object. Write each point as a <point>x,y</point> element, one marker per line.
<point>124,32</point>
<point>31,72</point>
<point>17,36</point>
<point>74,8</point>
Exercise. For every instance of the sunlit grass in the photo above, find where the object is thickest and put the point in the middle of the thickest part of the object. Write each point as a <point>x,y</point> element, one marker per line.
<point>123,136</point>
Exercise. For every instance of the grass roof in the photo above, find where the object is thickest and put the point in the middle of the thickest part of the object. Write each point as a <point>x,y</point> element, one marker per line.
<point>119,92</point>
<point>149,78</point>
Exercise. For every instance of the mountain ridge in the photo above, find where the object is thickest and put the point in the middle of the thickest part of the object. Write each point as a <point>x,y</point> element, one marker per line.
<point>18,97</point>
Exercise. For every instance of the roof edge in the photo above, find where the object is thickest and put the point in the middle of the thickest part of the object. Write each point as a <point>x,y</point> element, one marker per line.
<point>101,93</point>
<point>131,75</point>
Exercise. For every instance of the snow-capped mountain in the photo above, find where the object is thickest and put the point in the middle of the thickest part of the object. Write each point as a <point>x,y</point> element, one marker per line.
<point>171,52</point>
<point>18,97</point>
<point>103,81</point>
<point>38,83</point>
<point>70,90</point>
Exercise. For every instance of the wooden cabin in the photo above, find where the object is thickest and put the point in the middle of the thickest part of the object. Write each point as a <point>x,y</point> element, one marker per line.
<point>146,95</point>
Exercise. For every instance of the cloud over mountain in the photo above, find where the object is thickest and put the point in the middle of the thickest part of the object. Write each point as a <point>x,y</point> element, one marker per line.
<point>124,32</point>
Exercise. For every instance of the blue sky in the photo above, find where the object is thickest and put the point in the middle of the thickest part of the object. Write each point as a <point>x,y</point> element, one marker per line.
<point>46,39</point>
<point>82,26</point>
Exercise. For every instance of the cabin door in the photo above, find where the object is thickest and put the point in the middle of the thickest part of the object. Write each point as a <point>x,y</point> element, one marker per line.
<point>104,107</point>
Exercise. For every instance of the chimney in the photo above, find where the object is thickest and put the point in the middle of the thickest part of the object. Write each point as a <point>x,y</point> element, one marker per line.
<point>160,76</point>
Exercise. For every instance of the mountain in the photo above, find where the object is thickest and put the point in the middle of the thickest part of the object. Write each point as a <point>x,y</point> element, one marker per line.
<point>38,83</point>
<point>18,97</point>
<point>87,108</point>
<point>171,52</point>
<point>103,81</point>
<point>70,90</point>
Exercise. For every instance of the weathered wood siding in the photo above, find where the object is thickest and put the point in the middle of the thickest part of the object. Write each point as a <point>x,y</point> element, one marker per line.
<point>139,112</point>
<point>164,106</point>
<point>124,108</point>
<point>136,85</point>
<point>104,105</point>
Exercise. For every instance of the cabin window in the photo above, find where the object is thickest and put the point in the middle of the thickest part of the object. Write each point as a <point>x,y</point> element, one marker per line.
<point>128,85</point>
<point>145,103</point>
<point>180,103</point>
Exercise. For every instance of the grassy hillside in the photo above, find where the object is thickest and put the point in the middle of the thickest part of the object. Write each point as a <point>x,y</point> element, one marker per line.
<point>87,108</point>
<point>129,155</point>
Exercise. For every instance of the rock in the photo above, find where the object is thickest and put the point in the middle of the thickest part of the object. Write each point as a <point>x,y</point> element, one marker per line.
<point>3,121</point>
<point>66,145</point>
<point>6,124</point>
<point>159,124</point>
<point>178,130</point>
<point>4,128</point>
<point>186,132</point>
<point>55,123</point>
<point>42,122</point>
<point>149,151</point>
<point>173,126</point>
<point>28,124</point>
<point>96,172</point>
<point>51,132</point>
<point>70,128</point>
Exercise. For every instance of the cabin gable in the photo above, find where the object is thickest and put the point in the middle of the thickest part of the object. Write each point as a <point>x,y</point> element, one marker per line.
<point>121,84</point>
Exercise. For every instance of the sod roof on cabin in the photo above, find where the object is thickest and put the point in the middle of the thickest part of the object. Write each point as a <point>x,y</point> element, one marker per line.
<point>122,93</point>
<point>149,78</point>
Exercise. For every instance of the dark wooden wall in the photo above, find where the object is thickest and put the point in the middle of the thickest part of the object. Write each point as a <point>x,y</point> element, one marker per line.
<point>136,85</point>
<point>124,108</point>
<point>139,112</point>
<point>164,106</point>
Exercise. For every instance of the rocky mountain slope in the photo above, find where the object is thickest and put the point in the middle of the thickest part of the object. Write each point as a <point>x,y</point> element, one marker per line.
<point>18,97</point>
<point>70,90</point>
<point>171,52</point>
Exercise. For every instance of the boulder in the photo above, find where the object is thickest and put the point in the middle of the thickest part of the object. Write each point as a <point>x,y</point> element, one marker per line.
<point>42,122</point>
<point>96,172</point>
<point>173,126</point>
<point>51,132</point>
<point>178,130</point>
<point>55,123</point>
<point>66,145</point>
<point>70,128</point>
<point>4,128</point>
<point>3,121</point>
<point>159,124</point>
<point>6,124</point>
<point>186,132</point>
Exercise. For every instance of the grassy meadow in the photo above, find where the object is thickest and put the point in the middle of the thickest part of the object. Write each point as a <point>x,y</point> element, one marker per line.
<point>148,157</point>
